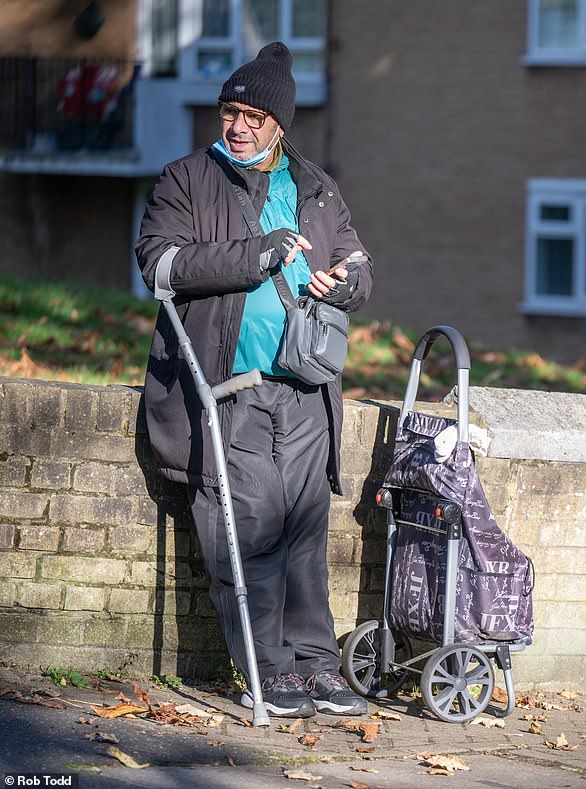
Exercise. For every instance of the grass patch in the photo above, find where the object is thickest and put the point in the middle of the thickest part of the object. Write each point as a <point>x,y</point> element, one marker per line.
<point>167,681</point>
<point>68,332</point>
<point>66,676</point>
<point>380,355</point>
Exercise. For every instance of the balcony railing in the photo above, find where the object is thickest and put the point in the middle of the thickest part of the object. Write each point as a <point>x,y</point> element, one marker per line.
<point>49,105</point>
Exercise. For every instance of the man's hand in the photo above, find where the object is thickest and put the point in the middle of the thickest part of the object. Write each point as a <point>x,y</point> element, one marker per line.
<point>285,243</point>
<point>335,288</point>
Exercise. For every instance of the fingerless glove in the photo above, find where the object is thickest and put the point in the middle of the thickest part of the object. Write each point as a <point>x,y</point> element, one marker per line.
<point>343,289</point>
<point>280,241</point>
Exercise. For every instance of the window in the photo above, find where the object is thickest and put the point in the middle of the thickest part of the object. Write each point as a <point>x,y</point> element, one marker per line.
<point>163,37</point>
<point>556,32</point>
<point>555,274</point>
<point>233,31</point>
<point>201,42</point>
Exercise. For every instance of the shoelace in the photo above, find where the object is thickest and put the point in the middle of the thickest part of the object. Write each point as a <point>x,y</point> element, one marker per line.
<point>285,681</point>
<point>333,679</point>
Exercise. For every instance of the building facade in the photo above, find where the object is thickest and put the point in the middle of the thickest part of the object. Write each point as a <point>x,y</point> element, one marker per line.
<point>454,130</point>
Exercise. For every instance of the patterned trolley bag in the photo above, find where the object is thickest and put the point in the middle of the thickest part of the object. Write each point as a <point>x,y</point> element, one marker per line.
<point>451,575</point>
<point>494,578</point>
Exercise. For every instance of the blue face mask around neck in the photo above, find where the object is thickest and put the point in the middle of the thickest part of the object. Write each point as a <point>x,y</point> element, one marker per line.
<point>257,159</point>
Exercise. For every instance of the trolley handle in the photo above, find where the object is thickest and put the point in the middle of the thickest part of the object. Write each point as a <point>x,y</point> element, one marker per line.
<point>462,356</point>
<point>456,340</point>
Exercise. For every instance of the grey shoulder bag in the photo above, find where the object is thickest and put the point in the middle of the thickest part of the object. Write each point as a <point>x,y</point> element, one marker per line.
<point>315,341</point>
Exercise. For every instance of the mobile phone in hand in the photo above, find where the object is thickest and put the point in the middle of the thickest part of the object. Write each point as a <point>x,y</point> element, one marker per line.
<point>353,261</point>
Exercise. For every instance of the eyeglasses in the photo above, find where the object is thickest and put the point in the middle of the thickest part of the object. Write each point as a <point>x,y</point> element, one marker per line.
<point>253,119</point>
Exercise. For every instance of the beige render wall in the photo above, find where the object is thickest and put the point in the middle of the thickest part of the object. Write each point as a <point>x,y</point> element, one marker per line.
<point>45,28</point>
<point>99,567</point>
<point>435,127</point>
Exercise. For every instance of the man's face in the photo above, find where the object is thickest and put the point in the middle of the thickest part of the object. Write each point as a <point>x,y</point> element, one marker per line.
<point>242,140</point>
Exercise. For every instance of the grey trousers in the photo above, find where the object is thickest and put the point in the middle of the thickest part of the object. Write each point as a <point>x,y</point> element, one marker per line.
<point>277,472</point>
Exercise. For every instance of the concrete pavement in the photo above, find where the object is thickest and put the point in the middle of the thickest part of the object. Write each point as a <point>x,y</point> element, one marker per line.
<point>400,744</point>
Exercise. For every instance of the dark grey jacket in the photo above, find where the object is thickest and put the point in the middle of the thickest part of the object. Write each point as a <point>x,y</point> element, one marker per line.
<point>193,206</point>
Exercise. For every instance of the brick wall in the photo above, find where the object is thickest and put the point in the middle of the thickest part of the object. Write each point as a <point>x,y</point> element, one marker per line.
<point>435,125</point>
<point>99,567</point>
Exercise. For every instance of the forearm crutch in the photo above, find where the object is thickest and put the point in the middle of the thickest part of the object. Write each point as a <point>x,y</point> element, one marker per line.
<point>208,397</point>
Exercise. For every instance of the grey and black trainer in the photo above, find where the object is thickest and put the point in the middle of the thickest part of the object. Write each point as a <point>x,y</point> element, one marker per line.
<point>331,694</point>
<point>284,696</point>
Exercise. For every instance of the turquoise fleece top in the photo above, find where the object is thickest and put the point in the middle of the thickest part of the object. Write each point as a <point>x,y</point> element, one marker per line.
<point>263,319</point>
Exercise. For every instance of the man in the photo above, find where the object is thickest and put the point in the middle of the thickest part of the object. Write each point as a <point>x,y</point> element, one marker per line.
<point>281,439</point>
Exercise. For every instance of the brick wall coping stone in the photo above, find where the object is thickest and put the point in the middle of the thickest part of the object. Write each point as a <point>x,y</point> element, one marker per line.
<point>532,425</point>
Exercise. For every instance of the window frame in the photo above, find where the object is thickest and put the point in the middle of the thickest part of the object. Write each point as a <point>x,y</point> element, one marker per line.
<point>546,56</point>
<point>311,86</point>
<point>566,192</point>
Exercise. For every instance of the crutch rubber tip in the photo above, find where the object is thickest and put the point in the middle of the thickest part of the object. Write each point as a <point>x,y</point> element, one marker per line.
<point>260,715</point>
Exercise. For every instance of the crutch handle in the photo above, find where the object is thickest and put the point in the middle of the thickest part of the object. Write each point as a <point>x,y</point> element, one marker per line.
<point>235,384</point>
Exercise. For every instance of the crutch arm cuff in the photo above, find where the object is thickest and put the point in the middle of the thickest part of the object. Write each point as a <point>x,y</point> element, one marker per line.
<point>163,289</point>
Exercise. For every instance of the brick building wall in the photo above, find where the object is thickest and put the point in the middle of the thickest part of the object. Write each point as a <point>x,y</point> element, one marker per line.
<point>435,127</point>
<point>99,567</point>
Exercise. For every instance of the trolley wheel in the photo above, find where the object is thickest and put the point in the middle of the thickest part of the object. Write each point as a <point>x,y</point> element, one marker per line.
<point>361,657</point>
<point>457,683</point>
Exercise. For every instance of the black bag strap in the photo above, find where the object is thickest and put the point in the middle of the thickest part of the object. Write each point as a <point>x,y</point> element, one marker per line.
<point>283,289</point>
<point>251,219</point>
<point>247,209</point>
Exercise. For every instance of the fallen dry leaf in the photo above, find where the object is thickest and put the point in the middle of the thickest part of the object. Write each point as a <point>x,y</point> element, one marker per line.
<point>499,695</point>
<point>118,710</point>
<point>300,775</point>
<point>445,762</point>
<point>215,743</point>
<point>568,694</point>
<point>231,762</point>
<point>52,692</point>
<point>309,740</point>
<point>370,731</point>
<point>54,703</point>
<point>105,736</point>
<point>141,695</point>
<point>365,749</point>
<point>363,769</point>
<point>526,701</point>
<point>125,759</point>
<point>540,718</point>
<point>490,722</point>
<point>386,715</point>
<point>32,699</point>
<point>191,709</point>
<point>437,771</point>
<point>291,728</point>
<point>561,744</point>
<point>535,727</point>
<point>360,785</point>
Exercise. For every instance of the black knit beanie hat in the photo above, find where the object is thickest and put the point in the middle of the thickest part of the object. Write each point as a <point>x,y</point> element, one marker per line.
<point>265,83</point>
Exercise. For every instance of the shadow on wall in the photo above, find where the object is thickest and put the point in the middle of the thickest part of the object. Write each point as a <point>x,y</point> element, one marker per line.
<point>372,519</point>
<point>187,640</point>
